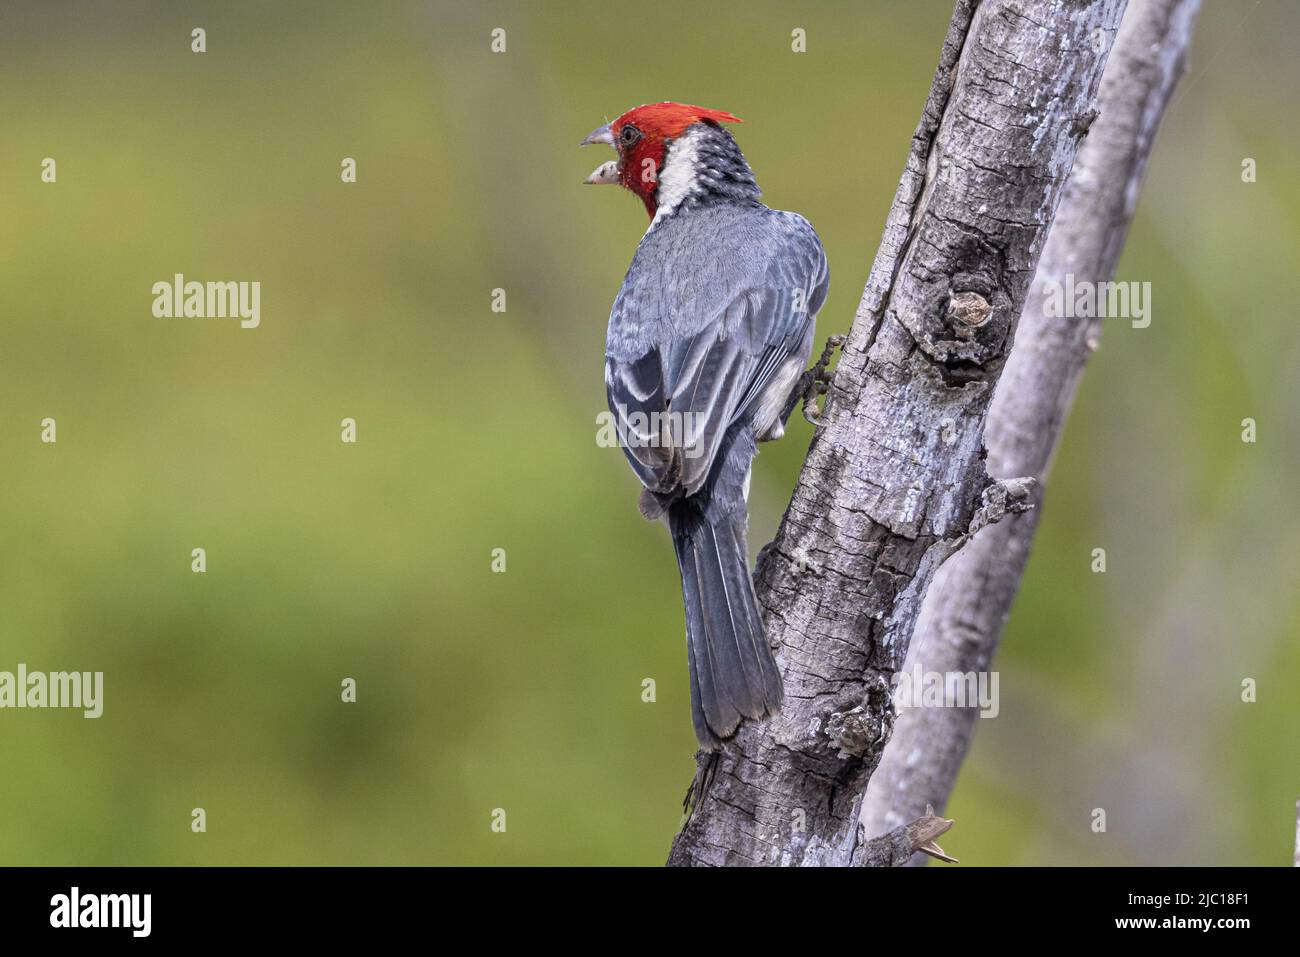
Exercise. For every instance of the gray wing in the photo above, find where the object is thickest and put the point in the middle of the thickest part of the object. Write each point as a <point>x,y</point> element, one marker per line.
<point>675,401</point>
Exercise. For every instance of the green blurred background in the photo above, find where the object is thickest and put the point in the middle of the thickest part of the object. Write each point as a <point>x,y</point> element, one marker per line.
<point>522,690</point>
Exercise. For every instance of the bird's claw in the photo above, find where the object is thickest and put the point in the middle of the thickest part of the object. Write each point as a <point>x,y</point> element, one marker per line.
<point>818,381</point>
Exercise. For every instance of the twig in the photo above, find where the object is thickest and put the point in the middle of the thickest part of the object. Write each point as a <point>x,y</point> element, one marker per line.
<point>897,847</point>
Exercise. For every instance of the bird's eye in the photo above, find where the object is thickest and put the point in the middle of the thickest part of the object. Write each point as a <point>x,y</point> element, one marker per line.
<point>629,135</point>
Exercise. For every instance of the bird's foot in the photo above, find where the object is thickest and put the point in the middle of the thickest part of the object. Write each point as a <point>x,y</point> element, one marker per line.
<point>817,381</point>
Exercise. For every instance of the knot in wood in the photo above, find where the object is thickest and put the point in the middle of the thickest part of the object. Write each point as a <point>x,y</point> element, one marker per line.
<point>968,309</point>
<point>851,732</point>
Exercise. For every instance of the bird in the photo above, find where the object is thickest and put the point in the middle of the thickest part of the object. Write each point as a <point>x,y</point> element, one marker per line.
<point>705,354</point>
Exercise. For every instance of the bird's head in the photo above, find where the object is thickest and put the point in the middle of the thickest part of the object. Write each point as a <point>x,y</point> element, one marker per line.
<point>642,138</point>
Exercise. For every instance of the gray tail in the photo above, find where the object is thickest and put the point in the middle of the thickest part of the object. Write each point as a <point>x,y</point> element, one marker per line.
<point>733,674</point>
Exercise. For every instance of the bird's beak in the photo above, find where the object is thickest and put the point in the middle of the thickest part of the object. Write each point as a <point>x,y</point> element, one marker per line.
<point>600,134</point>
<point>605,173</point>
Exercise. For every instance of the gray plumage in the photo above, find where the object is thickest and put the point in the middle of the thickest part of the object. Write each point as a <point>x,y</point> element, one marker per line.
<point>711,329</point>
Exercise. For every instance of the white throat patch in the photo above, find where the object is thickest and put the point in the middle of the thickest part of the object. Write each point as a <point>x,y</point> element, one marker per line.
<point>677,178</point>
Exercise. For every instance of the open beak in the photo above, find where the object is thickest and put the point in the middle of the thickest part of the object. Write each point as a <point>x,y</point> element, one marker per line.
<point>605,173</point>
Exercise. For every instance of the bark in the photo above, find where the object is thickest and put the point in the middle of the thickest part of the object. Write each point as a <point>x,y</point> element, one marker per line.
<point>895,480</point>
<point>968,603</point>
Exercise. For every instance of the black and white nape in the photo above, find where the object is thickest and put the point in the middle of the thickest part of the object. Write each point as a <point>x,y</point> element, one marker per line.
<point>704,165</point>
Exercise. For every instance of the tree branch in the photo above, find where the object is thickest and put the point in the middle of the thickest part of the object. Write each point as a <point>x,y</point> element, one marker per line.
<point>895,475</point>
<point>897,847</point>
<point>964,612</point>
